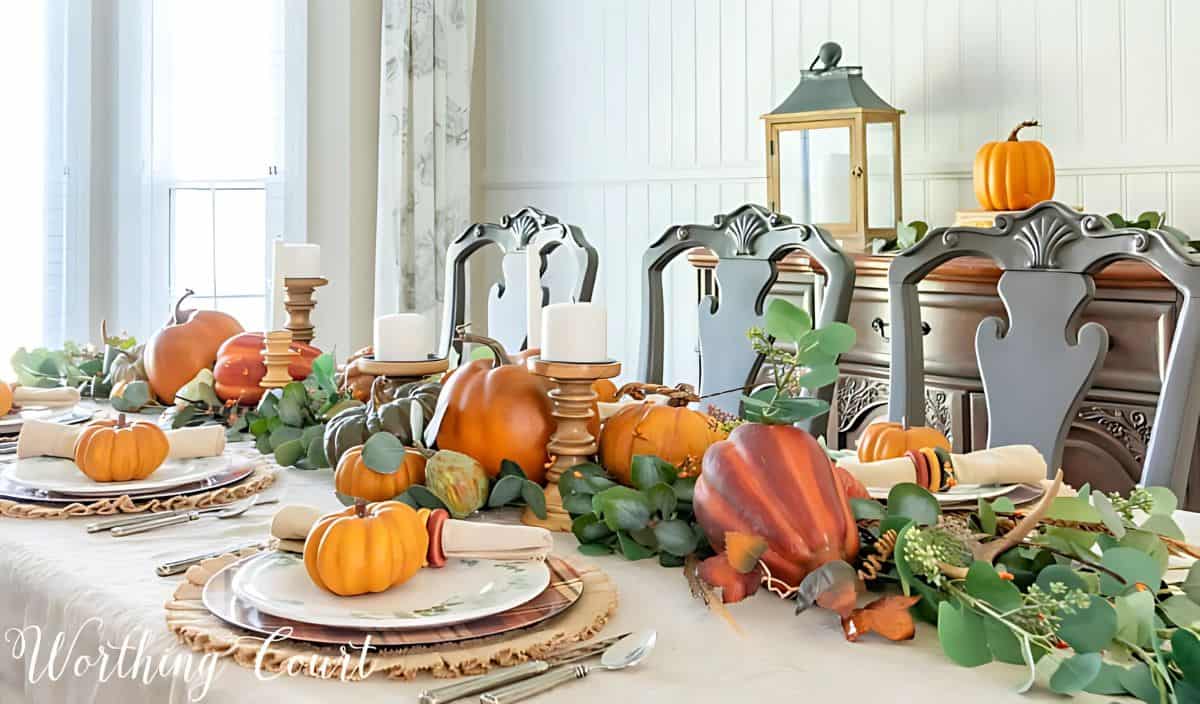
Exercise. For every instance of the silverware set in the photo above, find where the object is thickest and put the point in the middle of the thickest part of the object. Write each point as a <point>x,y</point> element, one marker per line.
<point>132,525</point>
<point>8,443</point>
<point>513,684</point>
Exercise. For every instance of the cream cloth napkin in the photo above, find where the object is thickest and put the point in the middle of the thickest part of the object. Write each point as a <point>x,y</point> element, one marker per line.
<point>1010,464</point>
<point>460,539</point>
<point>51,398</point>
<point>40,438</point>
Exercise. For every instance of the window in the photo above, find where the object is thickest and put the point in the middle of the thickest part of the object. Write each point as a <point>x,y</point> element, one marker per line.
<point>218,139</point>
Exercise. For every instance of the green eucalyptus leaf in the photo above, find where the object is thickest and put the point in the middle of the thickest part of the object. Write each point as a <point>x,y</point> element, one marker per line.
<point>1185,651</point>
<point>684,488</point>
<point>578,504</point>
<point>1003,505</point>
<point>1003,643</point>
<point>1181,611</point>
<point>323,370</point>
<point>1075,673</point>
<point>662,498</point>
<point>1163,525</point>
<point>289,453</point>
<point>258,426</point>
<point>1112,520</point>
<point>1191,585</point>
<point>1060,573</point>
<point>283,435</point>
<point>903,570</point>
<point>909,500</point>
<point>424,497</point>
<point>383,453</point>
<point>818,376</point>
<point>623,508</point>
<point>987,517</point>
<point>648,470</point>
<point>509,468</point>
<point>632,549</point>
<point>592,549</point>
<point>506,490</point>
<point>1150,219</point>
<point>961,634</point>
<point>1134,566</point>
<point>1135,617</point>
<point>534,497</point>
<point>1072,508</point>
<point>578,480</point>
<point>311,433</point>
<point>1092,629</point>
<point>985,584</point>
<point>316,454</point>
<point>1117,220</point>
<point>1108,681</point>
<point>1139,681</point>
<point>263,444</point>
<point>588,528</point>
<point>785,321</point>
<point>867,510</point>
<point>1165,501</point>
<point>291,412</point>
<point>675,537</point>
<point>1146,542</point>
<point>666,559</point>
<point>836,338</point>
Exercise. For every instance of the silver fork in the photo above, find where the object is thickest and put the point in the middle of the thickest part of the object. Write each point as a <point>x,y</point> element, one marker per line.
<point>188,517</point>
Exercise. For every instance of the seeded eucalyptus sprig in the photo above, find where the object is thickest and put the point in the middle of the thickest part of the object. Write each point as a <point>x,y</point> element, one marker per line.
<point>800,357</point>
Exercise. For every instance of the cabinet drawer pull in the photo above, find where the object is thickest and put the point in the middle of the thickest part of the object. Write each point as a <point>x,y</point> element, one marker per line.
<point>879,326</point>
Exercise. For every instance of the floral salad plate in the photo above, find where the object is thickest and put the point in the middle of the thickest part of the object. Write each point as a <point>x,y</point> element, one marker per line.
<point>276,583</point>
<point>59,475</point>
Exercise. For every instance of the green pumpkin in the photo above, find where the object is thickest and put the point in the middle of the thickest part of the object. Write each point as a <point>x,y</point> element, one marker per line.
<point>354,425</point>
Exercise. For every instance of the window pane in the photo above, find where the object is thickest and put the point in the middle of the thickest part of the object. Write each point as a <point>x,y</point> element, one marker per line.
<point>250,312</point>
<point>881,193</point>
<point>814,174</point>
<point>241,223</point>
<point>193,246</point>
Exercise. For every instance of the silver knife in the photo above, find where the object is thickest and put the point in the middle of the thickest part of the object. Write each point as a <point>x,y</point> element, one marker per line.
<point>167,569</point>
<point>483,683</point>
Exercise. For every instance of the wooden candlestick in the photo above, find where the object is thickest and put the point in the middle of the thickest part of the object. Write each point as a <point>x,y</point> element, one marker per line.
<point>571,444</point>
<point>277,355</point>
<point>298,301</point>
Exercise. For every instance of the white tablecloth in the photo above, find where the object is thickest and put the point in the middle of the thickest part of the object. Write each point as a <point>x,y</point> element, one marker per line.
<point>90,589</point>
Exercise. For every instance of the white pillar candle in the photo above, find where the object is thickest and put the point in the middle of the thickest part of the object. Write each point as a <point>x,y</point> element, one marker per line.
<point>403,337</point>
<point>297,260</point>
<point>574,332</point>
<point>533,290</point>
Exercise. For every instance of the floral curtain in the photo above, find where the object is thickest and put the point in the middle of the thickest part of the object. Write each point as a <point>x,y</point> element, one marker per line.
<point>424,148</point>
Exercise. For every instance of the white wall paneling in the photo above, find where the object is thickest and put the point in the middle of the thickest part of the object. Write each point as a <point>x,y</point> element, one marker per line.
<point>626,116</point>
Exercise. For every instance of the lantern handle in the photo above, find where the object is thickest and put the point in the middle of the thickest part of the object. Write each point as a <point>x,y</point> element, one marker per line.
<point>829,55</point>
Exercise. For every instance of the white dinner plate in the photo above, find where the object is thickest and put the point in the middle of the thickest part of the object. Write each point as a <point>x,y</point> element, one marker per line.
<point>277,583</point>
<point>11,423</point>
<point>62,476</point>
<point>958,494</point>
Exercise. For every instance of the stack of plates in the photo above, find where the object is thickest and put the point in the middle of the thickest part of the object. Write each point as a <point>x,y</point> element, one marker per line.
<point>10,424</point>
<point>465,599</point>
<point>54,480</point>
<point>971,493</point>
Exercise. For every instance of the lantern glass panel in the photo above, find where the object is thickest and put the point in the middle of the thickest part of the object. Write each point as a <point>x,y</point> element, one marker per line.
<point>814,174</point>
<point>881,175</point>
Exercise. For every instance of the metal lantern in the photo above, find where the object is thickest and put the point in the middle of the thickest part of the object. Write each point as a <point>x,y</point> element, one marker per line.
<point>833,153</point>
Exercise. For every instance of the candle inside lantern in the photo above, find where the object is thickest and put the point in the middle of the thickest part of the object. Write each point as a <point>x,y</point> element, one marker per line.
<point>294,260</point>
<point>533,289</point>
<point>574,332</point>
<point>403,337</point>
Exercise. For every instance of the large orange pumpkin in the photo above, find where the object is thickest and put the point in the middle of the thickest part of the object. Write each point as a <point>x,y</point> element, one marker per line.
<point>775,481</point>
<point>1013,175</point>
<point>354,478</point>
<point>187,344</point>
<point>240,366</point>
<point>884,441</point>
<point>671,431</point>
<point>496,409</point>
<point>6,398</point>
<point>116,451</point>
<point>366,548</point>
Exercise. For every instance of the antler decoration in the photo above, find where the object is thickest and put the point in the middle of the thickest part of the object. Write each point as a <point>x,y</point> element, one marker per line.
<point>678,395</point>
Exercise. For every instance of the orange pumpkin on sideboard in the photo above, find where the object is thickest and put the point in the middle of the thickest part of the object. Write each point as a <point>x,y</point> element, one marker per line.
<point>185,345</point>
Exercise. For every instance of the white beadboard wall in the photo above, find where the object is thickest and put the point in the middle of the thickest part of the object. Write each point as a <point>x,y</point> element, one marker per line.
<point>627,116</point>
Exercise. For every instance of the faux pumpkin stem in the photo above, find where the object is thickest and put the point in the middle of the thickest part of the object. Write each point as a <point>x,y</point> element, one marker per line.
<point>178,314</point>
<point>120,420</point>
<point>360,508</point>
<point>677,396</point>
<point>498,351</point>
<point>1012,136</point>
<point>104,338</point>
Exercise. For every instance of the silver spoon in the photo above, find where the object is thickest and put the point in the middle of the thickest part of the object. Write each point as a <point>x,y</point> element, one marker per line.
<point>231,512</point>
<point>626,652</point>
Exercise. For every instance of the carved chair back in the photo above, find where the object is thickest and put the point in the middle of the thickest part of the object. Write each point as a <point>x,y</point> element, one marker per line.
<point>747,243</point>
<point>1038,366</point>
<point>507,299</point>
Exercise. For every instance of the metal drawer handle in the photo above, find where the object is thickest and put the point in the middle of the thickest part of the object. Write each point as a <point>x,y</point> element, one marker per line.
<point>879,326</point>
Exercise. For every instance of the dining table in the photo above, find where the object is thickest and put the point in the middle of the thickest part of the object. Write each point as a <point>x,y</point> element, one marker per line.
<point>66,596</point>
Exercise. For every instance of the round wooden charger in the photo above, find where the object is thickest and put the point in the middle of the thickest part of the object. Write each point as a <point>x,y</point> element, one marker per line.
<point>199,629</point>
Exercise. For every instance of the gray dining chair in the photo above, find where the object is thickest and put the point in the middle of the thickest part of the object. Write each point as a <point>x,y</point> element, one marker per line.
<point>748,242</point>
<point>1037,366</point>
<point>507,300</point>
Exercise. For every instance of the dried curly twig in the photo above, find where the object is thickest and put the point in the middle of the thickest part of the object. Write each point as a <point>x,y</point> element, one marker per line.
<point>873,564</point>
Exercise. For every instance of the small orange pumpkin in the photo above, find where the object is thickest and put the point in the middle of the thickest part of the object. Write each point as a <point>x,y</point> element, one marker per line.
<point>354,478</point>
<point>116,451</point>
<point>1013,175</point>
<point>883,441</point>
<point>6,398</point>
<point>365,549</point>
<point>671,431</point>
<point>606,390</point>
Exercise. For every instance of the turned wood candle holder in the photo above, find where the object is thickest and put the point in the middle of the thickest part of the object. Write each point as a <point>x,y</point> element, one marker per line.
<point>571,443</point>
<point>298,301</point>
<point>277,355</point>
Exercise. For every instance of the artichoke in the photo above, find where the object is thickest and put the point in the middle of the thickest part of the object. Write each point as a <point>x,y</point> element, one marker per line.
<point>354,425</point>
<point>458,480</point>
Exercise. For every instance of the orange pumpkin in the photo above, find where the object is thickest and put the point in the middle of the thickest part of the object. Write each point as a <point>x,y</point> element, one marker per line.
<point>116,451</point>
<point>187,344</point>
<point>6,398</point>
<point>606,390</point>
<point>366,549</point>
<point>240,366</point>
<point>354,478</point>
<point>496,409</point>
<point>672,432</point>
<point>1013,175</point>
<point>883,441</point>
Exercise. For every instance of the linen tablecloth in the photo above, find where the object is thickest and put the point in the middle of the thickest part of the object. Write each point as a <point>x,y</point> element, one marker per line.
<point>86,590</point>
